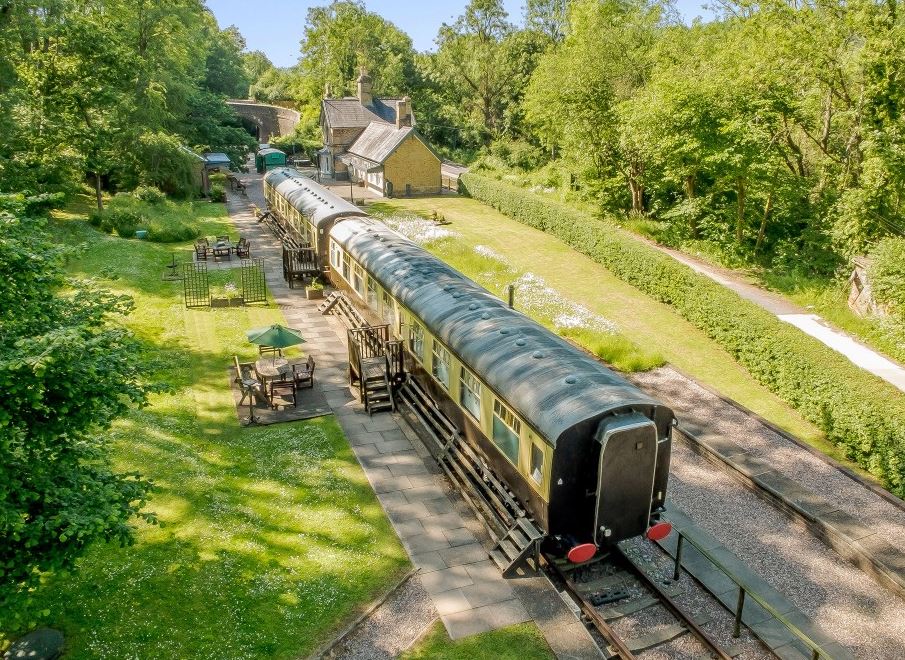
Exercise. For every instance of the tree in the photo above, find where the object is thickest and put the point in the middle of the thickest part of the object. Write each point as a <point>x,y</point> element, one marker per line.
<point>549,17</point>
<point>344,37</point>
<point>68,371</point>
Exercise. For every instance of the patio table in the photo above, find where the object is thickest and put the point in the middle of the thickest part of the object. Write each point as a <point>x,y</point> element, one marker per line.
<point>273,368</point>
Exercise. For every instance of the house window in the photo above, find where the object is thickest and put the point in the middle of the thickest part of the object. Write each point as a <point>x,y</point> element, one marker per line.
<point>358,279</point>
<point>372,294</point>
<point>470,394</point>
<point>537,464</point>
<point>416,343</point>
<point>440,364</point>
<point>506,429</point>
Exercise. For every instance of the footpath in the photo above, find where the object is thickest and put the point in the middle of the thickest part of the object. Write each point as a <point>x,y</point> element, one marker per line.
<point>809,323</point>
<point>440,534</point>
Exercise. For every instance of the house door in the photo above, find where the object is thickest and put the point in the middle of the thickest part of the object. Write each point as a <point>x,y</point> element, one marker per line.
<point>326,163</point>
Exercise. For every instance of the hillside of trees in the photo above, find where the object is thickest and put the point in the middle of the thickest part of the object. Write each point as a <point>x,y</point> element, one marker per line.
<point>112,94</point>
<point>774,133</point>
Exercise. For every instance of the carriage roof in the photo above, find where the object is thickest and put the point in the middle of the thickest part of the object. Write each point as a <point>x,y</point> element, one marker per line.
<point>315,202</point>
<point>550,383</point>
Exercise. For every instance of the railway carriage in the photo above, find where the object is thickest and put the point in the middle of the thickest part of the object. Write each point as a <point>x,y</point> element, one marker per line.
<point>585,453</point>
<point>308,208</point>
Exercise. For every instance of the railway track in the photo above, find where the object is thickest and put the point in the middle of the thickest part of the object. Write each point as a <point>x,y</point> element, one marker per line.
<point>599,586</point>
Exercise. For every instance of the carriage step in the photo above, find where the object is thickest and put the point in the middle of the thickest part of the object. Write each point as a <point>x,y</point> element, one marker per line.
<point>521,543</point>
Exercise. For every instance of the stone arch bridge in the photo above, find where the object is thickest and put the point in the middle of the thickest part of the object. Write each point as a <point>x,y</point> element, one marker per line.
<point>265,121</point>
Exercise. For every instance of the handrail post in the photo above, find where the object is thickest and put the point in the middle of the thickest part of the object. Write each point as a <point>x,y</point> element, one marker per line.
<point>677,572</point>
<point>737,630</point>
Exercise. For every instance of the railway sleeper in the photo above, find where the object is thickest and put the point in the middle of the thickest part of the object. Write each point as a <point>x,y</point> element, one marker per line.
<point>656,637</point>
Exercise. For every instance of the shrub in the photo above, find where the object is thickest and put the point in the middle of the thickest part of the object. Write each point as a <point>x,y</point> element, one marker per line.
<point>124,221</point>
<point>857,411</point>
<point>149,194</point>
<point>887,274</point>
<point>218,193</point>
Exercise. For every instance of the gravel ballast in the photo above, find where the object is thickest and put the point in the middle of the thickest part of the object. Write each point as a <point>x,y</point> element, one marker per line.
<point>694,403</point>
<point>392,627</point>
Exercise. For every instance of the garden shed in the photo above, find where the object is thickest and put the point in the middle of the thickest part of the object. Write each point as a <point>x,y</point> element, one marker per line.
<point>268,158</point>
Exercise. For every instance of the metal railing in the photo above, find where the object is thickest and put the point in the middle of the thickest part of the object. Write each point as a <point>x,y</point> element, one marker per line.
<point>744,591</point>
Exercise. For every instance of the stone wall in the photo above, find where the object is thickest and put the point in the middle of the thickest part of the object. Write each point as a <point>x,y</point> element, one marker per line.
<point>415,165</point>
<point>271,120</point>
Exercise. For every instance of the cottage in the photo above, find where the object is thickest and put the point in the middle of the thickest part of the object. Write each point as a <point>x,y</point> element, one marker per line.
<point>373,141</point>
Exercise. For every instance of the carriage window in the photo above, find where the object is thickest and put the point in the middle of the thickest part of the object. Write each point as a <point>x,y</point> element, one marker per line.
<point>387,308</point>
<point>372,294</point>
<point>506,430</point>
<point>416,343</point>
<point>537,463</point>
<point>346,267</point>
<point>336,256</point>
<point>358,279</point>
<point>470,394</point>
<point>440,365</point>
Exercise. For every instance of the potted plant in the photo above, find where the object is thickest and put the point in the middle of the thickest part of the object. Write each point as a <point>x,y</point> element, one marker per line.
<point>232,295</point>
<point>315,290</point>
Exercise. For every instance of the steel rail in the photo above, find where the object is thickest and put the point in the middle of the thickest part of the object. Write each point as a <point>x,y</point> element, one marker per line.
<point>677,612</point>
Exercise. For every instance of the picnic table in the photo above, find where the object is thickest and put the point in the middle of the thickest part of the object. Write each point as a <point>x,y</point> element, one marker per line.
<point>222,248</point>
<point>273,368</point>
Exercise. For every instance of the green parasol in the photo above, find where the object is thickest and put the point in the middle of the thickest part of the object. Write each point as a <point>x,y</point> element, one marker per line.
<point>276,335</point>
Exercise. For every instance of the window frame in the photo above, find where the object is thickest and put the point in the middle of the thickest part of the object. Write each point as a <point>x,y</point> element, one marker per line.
<point>465,378</point>
<point>501,412</point>
<point>438,351</point>
<point>417,329</point>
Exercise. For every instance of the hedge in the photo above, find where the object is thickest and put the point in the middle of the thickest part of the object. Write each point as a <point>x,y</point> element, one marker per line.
<point>857,411</point>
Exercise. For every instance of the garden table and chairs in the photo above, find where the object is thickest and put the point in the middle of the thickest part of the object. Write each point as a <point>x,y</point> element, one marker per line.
<point>222,248</point>
<point>279,376</point>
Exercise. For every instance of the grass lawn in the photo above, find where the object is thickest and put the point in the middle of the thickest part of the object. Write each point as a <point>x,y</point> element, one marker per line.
<point>521,642</point>
<point>270,537</point>
<point>644,321</point>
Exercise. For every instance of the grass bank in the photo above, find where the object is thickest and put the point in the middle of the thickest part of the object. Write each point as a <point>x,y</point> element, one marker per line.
<point>521,642</point>
<point>271,537</point>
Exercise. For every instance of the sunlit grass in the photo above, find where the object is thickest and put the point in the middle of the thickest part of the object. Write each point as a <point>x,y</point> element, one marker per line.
<point>270,537</point>
<point>521,642</point>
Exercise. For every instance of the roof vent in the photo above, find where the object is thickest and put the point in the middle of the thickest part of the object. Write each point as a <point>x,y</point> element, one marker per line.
<point>485,315</point>
<point>537,355</point>
<point>504,331</point>
<point>457,294</point>
<point>473,306</point>
<point>571,380</point>
<point>520,342</point>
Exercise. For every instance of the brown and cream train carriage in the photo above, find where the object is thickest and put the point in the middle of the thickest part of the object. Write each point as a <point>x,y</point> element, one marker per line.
<point>584,451</point>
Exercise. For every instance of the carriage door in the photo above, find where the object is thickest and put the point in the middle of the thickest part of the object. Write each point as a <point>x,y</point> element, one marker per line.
<point>625,476</point>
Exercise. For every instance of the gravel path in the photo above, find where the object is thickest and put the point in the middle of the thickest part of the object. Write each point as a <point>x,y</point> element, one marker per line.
<point>849,605</point>
<point>692,402</point>
<point>392,627</point>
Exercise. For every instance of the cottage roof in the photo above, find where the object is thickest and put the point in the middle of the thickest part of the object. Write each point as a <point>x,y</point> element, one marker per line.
<point>348,112</point>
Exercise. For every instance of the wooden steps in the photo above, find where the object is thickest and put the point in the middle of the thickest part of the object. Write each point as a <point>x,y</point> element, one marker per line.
<point>521,543</point>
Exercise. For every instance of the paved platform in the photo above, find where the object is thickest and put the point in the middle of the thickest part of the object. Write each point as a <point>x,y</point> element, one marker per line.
<point>778,638</point>
<point>443,538</point>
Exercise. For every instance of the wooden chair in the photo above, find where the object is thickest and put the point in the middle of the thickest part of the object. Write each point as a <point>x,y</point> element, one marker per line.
<point>282,388</point>
<point>243,249</point>
<point>223,239</point>
<point>303,374</point>
<point>201,249</point>
<point>270,351</point>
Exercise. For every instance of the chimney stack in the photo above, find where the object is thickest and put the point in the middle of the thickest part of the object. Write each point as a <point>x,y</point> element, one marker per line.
<point>404,112</point>
<point>364,88</point>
